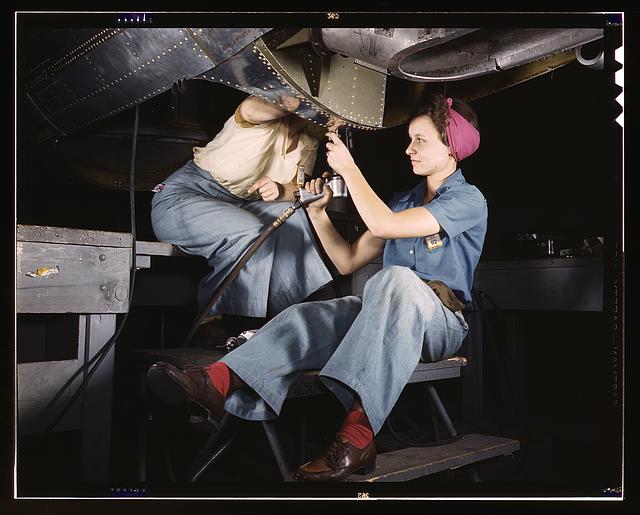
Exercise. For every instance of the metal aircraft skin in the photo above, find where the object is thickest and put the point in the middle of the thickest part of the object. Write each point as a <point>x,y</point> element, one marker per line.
<point>365,76</point>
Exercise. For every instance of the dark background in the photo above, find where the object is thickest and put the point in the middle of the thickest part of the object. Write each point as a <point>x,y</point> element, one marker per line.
<point>548,163</point>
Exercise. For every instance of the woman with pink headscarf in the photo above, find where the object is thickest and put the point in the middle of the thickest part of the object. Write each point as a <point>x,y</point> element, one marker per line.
<point>366,348</point>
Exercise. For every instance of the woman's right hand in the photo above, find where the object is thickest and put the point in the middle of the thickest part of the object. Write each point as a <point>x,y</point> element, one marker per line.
<point>289,103</point>
<point>315,186</point>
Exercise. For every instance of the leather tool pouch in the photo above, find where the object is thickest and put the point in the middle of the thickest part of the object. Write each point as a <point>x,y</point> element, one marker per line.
<point>446,296</point>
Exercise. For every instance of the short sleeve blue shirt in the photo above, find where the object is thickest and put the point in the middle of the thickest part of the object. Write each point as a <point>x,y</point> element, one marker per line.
<point>461,210</point>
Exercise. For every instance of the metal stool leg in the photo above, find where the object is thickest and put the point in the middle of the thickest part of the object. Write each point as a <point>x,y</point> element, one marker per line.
<point>213,448</point>
<point>434,421</point>
<point>435,398</point>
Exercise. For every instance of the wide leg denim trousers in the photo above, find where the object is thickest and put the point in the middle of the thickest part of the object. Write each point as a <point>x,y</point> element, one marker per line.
<point>203,218</point>
<point>368,347</point>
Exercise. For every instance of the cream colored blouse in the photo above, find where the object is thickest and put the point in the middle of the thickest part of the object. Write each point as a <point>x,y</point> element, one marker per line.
<point>243,152</point>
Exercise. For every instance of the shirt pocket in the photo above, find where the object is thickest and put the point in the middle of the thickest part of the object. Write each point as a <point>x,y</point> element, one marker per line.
<point>430,261</point>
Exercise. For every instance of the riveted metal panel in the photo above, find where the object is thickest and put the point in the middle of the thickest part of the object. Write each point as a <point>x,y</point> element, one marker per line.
<point>271,74</point>
<point>250,71</point>
<point>110,70</point>
<point>221,43</point>
<point>354,92</point>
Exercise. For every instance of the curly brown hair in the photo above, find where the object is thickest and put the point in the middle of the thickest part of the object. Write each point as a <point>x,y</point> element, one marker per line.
<point>436,108</point>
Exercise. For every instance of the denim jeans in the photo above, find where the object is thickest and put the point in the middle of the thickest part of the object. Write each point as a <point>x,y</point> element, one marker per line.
<point>203,218</point>
<point>369,346</point>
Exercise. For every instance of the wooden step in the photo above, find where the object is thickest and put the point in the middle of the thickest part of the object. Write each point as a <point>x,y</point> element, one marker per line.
<point>415,462</point>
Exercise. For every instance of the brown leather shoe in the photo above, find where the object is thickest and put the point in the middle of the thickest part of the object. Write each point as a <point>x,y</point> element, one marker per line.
<point>338,461</point>
<point>175,386</point>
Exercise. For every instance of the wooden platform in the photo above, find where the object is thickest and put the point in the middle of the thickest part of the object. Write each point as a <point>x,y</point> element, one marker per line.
<point>416,462</point>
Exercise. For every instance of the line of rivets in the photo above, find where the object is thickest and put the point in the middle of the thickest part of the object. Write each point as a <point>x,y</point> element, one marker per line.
<point>70,57</point>
<point>135,70</point>
<point>227,82</point>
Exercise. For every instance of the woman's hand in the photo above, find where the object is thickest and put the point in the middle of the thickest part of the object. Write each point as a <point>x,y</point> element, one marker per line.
<point>333,123</point>
<point>315,186</point>
<point>289,103</point>
<point>338,156</point>
<point>267,188</point>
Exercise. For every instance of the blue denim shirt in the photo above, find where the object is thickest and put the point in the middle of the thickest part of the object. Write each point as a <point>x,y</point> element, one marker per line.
<point>461,210</point>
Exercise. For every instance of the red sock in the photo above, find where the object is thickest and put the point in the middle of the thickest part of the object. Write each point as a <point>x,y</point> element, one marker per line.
<point>356,429</point>
<point>220,377</point>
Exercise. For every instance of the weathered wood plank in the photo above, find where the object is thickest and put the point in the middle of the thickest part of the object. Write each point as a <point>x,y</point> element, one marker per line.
<point>435,374</point>
<point>39,380</point>
<point>444,369</point>
<point>87,279</point>
<point>68,235</point>
<point>157,248</point>
<point>415,462</point>
<point>309,384</point>
<point>453,361</point>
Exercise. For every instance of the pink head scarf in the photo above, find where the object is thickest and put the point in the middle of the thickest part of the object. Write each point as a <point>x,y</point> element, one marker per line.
<point>464,138</point>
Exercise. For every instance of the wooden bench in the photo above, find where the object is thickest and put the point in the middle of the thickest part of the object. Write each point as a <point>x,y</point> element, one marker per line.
<point>399,465</point>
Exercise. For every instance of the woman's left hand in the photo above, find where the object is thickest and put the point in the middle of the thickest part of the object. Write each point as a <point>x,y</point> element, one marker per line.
<point>267,188</point>
<point>338,155</point>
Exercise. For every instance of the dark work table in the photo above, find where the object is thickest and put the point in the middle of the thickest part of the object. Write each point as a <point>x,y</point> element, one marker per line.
<point>548,284</point>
